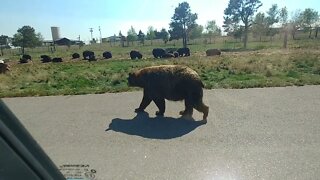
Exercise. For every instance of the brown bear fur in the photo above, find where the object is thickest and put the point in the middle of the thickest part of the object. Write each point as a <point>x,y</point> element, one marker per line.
<point>4,68</point>
<point>213,52</point>
<point>171,82</point>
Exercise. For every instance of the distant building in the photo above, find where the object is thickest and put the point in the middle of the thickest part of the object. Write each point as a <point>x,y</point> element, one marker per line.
<point>62,42</point>
<point>112,39</point>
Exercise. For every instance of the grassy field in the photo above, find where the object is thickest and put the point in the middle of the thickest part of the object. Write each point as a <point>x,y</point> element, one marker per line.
<point>265,64</point>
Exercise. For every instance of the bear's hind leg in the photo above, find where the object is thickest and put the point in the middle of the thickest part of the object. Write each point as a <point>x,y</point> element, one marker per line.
<point>204,109</point>
<point>188,108</point>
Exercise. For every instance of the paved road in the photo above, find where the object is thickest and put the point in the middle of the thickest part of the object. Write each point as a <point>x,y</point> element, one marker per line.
<point>271,133</point>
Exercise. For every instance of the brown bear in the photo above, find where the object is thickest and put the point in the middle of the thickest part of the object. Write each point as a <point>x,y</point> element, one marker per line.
<point>213,52</point>
<point>4,67</point>
<point>171,82</point>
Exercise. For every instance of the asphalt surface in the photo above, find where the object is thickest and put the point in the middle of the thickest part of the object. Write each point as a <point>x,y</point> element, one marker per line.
<point>270,133</point>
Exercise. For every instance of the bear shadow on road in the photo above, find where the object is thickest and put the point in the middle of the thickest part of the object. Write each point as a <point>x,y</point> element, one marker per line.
<point>155,127</point>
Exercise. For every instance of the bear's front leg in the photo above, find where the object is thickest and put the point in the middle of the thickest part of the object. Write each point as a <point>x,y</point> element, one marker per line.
<point>161,104</point>
<point>144,103</point>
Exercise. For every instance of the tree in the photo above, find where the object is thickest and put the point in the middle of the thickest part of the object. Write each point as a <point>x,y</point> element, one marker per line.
<point>295,22</point>
<point>283,19</point>
<point>150,34</point>
<point>232,28</point>
<point>196,32</point>
<point>141,37</point>
<point>273,15</point>
<point>271,19</point>
<point>122,39</point>
<point>176,33</point>
<point>132,35</point>
<point>229,26</point>
<point>26,38</point>
<point>283,16</point>
<point>3,43</point>
<point>317,27</point>
<point>157,34</point>
<point>238,32</point>
<point>40,38</point>
<point>212,29</point>
<point>164,35</point>
<point>259,26</point>
<point>241,10</point>
<point>309,18</point>
<point>182,22</point>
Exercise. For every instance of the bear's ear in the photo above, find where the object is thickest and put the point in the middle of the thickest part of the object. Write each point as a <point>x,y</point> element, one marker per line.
<point>131,74</point>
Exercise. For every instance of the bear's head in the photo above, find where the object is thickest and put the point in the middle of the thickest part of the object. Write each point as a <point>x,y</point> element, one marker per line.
<point>134,80</point>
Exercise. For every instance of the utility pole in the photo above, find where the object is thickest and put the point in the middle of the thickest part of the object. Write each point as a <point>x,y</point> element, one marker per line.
<point>100,35</point>
<point>91,30</point>
<point>80,43</point>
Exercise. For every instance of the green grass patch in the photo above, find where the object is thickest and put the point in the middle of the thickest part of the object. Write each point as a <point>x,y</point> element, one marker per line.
<point>235,68</point>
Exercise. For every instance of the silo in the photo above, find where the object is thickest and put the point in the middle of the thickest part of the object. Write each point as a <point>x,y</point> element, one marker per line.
<point>55,33</point>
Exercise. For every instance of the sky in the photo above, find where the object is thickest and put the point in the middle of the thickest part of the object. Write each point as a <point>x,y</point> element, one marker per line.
<point>75,17</point>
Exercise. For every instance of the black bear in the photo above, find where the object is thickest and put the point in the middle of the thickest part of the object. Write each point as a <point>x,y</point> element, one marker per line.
<point>183,52</point>
<point>135,54</point>
<point>57,59</point>
<point>45,58</point>
<point>88,55</point>
<point>75,55</point>
<point>158,52</point>
<point>25,58</point>
<point>168,55</point>
<point>107,55</point>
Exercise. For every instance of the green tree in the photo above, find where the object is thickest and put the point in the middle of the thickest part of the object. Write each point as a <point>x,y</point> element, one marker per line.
<point>3,43</point>
<point>212,29</point>
<point>283,19</point>
<point>182,22</point>
<point>283,16</point>
<point>157,34</point>
<point>233,28</point>
<point>241,10</point>
<point>164,35</point>
<point>176,33</point>
<point>295,23</point>
<point>122,39</point>
<point>141,37</point>
<point>238,32</point>
<point>317,24</point>
<point>132,35</point>
<point>272,18</point>
<point>273,15</point>
<point>229,25</point>
<point>259,26</point>
<point>196,32</point>
<point>309,18</point>
<point>26,38</point>
<point>150,34</point>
